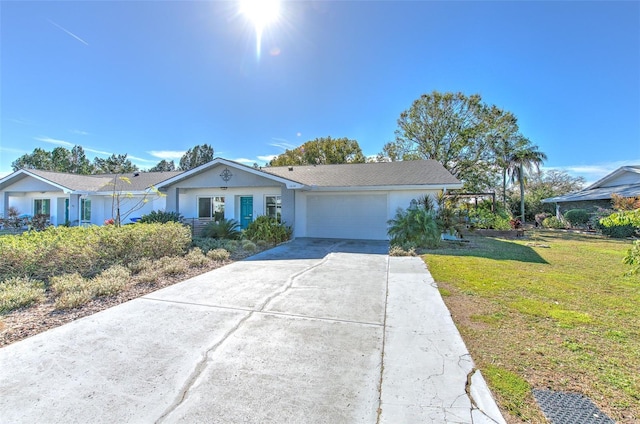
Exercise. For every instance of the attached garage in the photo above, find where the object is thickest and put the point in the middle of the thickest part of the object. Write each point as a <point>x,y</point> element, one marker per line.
<point>350,216</point>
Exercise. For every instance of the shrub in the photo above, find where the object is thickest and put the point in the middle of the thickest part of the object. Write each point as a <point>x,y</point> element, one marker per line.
<point>72,291</point>
<point>553,222</point>
<point>88,250</point>
<point>577,217</point>
<point>110,281</point>
<point>218,255</point>
<point>206,244</point>
<point>160,217</point>
<point>223,229</point>
<point>231,245</point>
<point>173,265</point>
<point>633,258</point>
<point>149,275</point>
<point>61,284</point>
<point>249,246</point>
<point>140,265</point>
<point>268,229</point>
<point>18,292</point>
<point>621,224</point>
<point>396,250</point>
<point>196,258</point>
<point>262,243</point>
<point>70,300</point>
<point>484,218</point>
<point>417,226</point>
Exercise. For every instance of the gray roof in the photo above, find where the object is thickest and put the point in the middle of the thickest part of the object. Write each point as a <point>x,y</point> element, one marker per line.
<point>404,173</point>
<point>95,183</point>
<point>601,193</point>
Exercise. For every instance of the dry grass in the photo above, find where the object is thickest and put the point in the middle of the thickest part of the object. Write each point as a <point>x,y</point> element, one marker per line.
<point>551,311</point>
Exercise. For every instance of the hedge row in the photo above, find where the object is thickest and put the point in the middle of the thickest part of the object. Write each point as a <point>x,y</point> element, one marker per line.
<point>87,250</point>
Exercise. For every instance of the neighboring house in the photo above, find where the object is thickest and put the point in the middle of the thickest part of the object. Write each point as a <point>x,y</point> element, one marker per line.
<point>624,181</point>
<point>332,201</point>
<point>79,199</point>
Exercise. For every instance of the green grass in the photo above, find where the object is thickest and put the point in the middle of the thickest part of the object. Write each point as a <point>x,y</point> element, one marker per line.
<point>555,310</point>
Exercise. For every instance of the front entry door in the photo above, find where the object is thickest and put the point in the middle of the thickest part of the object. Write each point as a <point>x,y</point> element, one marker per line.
<point>246,211</point>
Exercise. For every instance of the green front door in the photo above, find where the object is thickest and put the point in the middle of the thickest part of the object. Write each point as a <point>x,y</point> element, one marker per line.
<point>246,211</point>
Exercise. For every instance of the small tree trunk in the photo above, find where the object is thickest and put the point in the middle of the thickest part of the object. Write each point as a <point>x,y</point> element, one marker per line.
<point>521,194</point>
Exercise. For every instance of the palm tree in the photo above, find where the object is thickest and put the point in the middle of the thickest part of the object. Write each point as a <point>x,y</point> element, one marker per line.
<point>523,160</point>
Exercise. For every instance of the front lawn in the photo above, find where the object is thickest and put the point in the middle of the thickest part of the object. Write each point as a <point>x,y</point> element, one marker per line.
<point>554,310</point>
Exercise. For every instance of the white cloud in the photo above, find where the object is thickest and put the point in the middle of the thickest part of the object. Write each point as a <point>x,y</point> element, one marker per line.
<point>137,159</point>
<point>11,150</point>
<point>282,143</point>
<point>167,154</point>
<point>99,152</point>
<point>79,132</point>
<point>55,141</point>
<point>245,161</point>
<point>267,158</point>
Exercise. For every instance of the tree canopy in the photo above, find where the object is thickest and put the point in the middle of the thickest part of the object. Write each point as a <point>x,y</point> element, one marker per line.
<point>476,142</point>
<point>163,166</point>
<point>321,151</point>
<point>59,160</point>
<point>114,164</point>
<point>196,156</point>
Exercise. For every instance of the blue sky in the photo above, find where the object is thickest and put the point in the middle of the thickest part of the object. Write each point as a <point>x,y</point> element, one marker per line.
<point>155,78</point>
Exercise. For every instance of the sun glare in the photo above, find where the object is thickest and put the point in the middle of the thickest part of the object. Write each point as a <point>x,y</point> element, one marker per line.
<point>261,13</point>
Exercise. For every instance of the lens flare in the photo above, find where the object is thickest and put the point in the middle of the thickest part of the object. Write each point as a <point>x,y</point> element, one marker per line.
<point>261,13</point>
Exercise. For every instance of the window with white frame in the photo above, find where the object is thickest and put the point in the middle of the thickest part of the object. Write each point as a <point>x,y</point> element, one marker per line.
<point>273,207</point>
<point>42,207</point>
<point>85,210</point>
<point>211,208</point>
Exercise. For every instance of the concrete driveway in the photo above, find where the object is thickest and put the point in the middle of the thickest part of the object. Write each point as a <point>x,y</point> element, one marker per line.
<point>313,331</point>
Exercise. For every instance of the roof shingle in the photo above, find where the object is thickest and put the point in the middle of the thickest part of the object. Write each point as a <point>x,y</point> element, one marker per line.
<point>405,173</point>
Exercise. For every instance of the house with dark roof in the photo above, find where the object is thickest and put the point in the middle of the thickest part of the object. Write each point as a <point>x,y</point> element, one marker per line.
<point>330,201</point>
<point>624,181</point>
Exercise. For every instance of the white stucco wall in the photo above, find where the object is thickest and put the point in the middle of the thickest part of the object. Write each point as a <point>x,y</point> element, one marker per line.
<point>188,199</point>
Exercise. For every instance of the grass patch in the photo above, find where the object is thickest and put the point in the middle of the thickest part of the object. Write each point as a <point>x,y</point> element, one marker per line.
<point>564,317</point>
<point>512,389</point>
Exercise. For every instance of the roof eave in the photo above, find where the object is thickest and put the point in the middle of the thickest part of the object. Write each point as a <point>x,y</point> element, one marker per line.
<point>187,174</point>
<point>384,187</point>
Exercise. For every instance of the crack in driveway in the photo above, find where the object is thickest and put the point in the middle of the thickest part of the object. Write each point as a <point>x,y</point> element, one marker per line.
<point>206,357</point>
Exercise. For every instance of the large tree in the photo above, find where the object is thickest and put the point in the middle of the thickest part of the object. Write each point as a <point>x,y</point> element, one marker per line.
<point>163,166</point>
<point>39,159</point>
<point>322,151</point>
<point>196,156</point>
<point>449,128</point>
<point>114,164</point>
<point>60,160</point>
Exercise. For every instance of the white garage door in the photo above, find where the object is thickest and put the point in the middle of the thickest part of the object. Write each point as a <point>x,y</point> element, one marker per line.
<point>361,216</point>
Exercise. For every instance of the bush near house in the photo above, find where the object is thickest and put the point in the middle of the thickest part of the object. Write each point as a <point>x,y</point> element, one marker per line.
<point>228,229</point>
<point>87,250</point>
<point>268,229</point>
<point>621,224</point>
<point>160,217</point>
<point>553,222</point>
<point>577,217</point>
